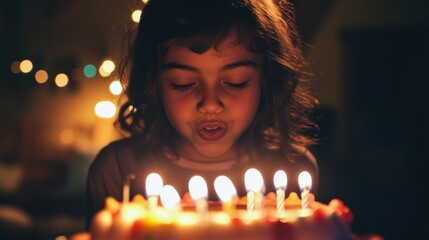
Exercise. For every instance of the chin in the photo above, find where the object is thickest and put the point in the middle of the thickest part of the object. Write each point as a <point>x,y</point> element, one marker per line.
<point>213,151</point>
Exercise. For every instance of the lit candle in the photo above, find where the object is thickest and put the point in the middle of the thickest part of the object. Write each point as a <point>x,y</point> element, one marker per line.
<point>170,199</point>
<point>199,192</point>
<point>153,189</point>
<point>254,185</point>
<point>280,182</point>
<point>304,181</point>
<point>227,193</point>
<point>126,190</point>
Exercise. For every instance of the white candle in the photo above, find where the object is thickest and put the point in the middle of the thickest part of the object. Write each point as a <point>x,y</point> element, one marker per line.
<point>199,192</point>
<point>254,185</point>
<point>227,193</point>
<point>153,189</point>
<point>126,189</point>
<point>280,182</point>
<point>304,181</point>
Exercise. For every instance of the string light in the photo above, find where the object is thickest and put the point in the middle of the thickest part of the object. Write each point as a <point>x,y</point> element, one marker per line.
<point>135,16</point>
<point>115,87</point>
<point>26,66</point>
<point>61,80</point>
<point>14,67</point>
<point>41,76</point>
<point>89,71</point>
<point>105,109</point>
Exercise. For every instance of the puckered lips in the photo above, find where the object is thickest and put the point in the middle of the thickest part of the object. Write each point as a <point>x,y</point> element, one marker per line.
<point>211,130</point>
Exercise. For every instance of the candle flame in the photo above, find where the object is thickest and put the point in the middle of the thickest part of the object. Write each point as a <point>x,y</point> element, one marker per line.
<point>253,180</point>
<point>280,179</point>
<point>169,197</point>
<point>304,180</point>
<point>225,188</point>
<point>153,184</point>
<point>198,187</point>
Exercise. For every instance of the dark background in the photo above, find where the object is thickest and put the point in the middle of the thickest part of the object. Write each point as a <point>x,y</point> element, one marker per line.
<point>371,65</point>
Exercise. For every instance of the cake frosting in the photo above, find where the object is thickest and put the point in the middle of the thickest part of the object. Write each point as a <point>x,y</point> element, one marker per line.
<point>134,220</point>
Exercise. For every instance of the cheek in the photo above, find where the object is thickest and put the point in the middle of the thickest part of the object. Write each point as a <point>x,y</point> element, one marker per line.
<point>169,106</point>
<point>253,106</point>
<point>247,107</point>
<point>175,109</point>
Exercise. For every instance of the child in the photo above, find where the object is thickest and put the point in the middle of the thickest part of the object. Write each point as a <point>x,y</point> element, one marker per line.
<point>214,87</point>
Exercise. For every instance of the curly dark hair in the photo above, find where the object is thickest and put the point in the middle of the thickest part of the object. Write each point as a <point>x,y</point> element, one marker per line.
<point>266,27</point>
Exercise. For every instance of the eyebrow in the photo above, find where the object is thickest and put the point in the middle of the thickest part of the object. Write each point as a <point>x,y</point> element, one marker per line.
<point>175,65</point>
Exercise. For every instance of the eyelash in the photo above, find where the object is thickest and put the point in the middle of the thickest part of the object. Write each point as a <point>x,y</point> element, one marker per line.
<point>184,87</point>
<point>238,85</point>
<point>181,88</point>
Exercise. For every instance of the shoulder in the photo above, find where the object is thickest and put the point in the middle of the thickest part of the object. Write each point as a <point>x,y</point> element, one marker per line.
<point>112,156</point>
<point>124,155</point>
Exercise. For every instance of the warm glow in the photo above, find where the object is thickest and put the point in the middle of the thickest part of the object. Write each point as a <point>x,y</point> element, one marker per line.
<point>280,179</point>
<point>304,180</point>
<point>253,180</point>
<point>145,1</point>
<point>67,136</point>
<point>14,67</point>
<point>169,197</point>
<point>26,66</point>
<point>61,80</point>
<point>41,76</point>
<point>105,109</point>
<point>187,219</point>
<point>102,220</point>
<point>197,187</point>
<point>115,87</point>
<point>221,218</point>
<point>132,212</point>
<point>153,184</point>
<point>225,188</point>
<point>136,16</point>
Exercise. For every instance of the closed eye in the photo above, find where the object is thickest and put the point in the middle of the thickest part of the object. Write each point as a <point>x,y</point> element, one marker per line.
<point>181,87</point>
<point>237,85</point>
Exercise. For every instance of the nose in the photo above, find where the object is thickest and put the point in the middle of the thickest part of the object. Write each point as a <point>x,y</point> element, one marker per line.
<point>210,102</point>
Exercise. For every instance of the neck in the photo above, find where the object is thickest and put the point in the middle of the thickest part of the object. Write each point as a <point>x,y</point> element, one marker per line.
<point>199,162</point>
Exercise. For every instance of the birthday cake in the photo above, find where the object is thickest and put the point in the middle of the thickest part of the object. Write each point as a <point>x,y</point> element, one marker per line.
<point>134,222</point>
<point>272,216</point>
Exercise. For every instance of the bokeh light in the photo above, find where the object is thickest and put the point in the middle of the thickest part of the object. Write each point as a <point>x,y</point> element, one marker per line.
<point>14,67</point>
<point>105,109</point>
<point>89,71</point>
<point>102,72</point>
<point>61,80</point>
<point>77,74</point>
<point>136,15</point>
<point>108,66</point>
<point>26,66</point>
<point>41,76</point>
<point>115,87</point>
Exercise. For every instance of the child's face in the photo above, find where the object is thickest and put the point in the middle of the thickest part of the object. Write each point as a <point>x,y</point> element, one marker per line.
<point>210,98</point>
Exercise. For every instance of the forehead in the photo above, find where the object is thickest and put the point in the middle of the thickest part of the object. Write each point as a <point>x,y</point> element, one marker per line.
<point>229,49</point>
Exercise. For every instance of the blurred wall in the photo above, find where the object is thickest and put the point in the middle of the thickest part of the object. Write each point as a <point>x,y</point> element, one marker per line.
<point>326,54</point>
<point>374,119</point>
